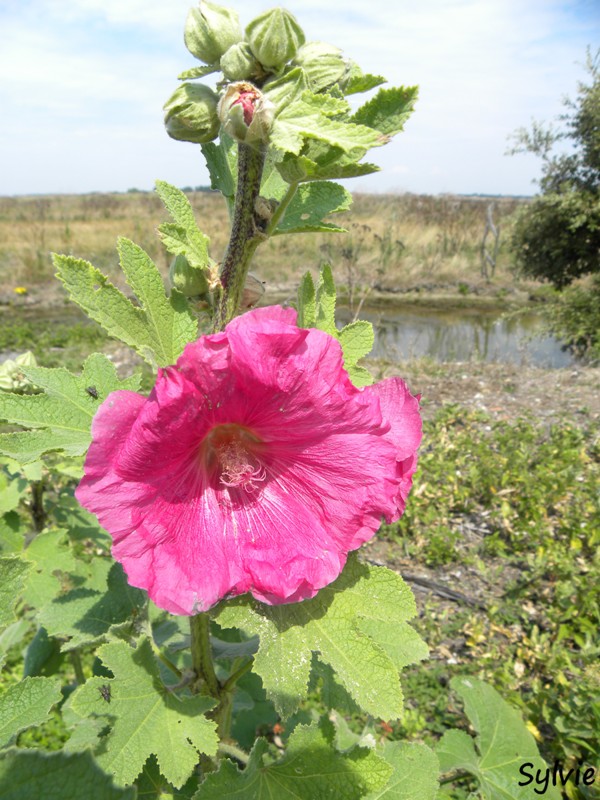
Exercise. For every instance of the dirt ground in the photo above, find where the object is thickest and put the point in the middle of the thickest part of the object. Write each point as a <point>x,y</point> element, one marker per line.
<point>505,391</point>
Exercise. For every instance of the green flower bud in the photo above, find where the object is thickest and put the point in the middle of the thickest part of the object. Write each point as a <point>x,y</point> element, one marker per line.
<point>274,37</point>
<point>245,113</point>
<point>191,113</point>
<point>323,64</point>
<point>190,281</point>
<point>210,30</point>
<point>12,377</point>
<point>239,63</point>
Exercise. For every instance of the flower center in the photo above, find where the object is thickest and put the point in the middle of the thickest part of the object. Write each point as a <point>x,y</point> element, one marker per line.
<point>232,453</point>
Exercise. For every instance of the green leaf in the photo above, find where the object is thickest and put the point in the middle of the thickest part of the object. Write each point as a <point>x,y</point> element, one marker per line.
<point>13,635</point>
<point>334,624</point>
<point>151,785</point>
<point>357,81</point>
<point>318,311</point>
<point>12,533</point>
<point>311,204</point>
<point>62,416</point>
<point>34,774</point>
<point>219,159</point>
<point>326,299</point>
<point>198,72</point>
<point>259,718</point>
<point>146,718</point>
<point>12,490</point>
<point>329,163</point>
<point>307,302</point>
<point>502,745</point>
<point>86,615</point>
<point>13,574</point>
<point>303,119</point>
<point>25,704</point>
<point>158,330</point>
<point>50,555</point>
<point>331,693</point>
<point>311,768</point>
<point>184,237</point>
<point>388,110</point>
<point>415,768</point>
<point>43,656</point>
<point>357,340</point>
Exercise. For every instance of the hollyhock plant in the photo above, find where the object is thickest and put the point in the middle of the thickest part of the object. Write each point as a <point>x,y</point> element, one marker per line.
<point>254,466</point>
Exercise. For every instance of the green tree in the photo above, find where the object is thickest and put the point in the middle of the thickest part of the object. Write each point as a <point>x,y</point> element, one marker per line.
<point>556,237</point>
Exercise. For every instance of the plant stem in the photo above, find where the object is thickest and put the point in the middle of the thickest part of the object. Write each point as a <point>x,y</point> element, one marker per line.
<point>202,663</point>
<point>234,752</point>
<point>245,234</point>
<point>454,776</point>
<point>36,505</point>
<point>78,667</point>
<point>235,676</point>
<point>281,208</point>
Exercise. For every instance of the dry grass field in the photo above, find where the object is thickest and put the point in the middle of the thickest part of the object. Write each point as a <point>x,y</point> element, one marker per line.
<point>394,242</point>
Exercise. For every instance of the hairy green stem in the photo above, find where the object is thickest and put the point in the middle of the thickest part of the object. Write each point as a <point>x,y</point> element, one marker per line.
<point>235,676</point>
<point>281,208</point>
<point>245,233</point>
<point>78,667</point>
<point>458,775</point>
<point>202,662</point>
<point>36,505</point>
<point>234,752</point>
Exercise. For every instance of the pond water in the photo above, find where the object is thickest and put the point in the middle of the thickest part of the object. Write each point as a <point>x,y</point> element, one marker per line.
<point>461,335</point>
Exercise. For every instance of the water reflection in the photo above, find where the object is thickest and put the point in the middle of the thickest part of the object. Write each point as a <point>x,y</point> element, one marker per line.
<point>462,336</point>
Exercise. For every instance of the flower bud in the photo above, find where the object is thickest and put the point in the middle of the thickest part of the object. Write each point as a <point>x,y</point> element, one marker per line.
<point>12,377</point>
<point>190,281</point>
<point>245,113</point>
<point>210,30</point>
<point>323,64</point>
<point>191,113</point>
<point>274,37</point>
<point>239,63</point>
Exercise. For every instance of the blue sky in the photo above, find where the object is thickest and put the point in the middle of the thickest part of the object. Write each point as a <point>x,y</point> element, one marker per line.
<point>82,84</point>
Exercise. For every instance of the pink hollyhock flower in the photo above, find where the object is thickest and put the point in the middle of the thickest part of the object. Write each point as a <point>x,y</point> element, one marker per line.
<point>253,466</point>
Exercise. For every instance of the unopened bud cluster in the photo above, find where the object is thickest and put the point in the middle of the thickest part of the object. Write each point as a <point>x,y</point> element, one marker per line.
<point>271,45</point>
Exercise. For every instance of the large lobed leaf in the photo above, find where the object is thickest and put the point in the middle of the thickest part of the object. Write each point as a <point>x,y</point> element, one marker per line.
<point>36,775</point>
<point>502,745</point>
<point>60,419</point>
<point>145,717</point>
<point>414,777</point>
<point>358,625</point>
<point>159,328</point>
<point>13,574</point>
<point>25,704</point>
<point>85,615</point>
<point>305,118</point>
<point>311,768</point>
<point>311,204</point>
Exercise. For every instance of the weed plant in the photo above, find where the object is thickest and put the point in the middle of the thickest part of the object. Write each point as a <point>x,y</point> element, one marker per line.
<point>515,504</point>
<point>395,241</point>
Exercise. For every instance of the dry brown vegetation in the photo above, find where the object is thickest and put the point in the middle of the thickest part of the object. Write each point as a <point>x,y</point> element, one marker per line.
<point>394,243</point>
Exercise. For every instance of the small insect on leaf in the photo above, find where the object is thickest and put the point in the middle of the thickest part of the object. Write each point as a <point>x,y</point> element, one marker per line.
<point>105,692</point>
<point>92,391</point>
